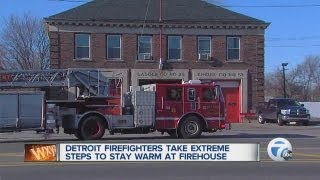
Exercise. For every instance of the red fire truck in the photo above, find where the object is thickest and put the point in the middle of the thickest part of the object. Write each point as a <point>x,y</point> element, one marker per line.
<point>181,110</point>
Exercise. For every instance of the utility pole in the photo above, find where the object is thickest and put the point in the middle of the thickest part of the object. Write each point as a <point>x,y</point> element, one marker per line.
<point>284,79</point>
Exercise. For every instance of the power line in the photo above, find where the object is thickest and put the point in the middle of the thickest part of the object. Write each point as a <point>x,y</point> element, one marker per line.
<point>292,46</point>
<point>230,6</point>
<point>145,17</point>
<point>274,6</point>
<point>69,1</point>
<point>302,38</point>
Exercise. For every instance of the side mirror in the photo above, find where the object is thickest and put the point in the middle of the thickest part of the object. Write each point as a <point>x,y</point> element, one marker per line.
<point>302,105</point>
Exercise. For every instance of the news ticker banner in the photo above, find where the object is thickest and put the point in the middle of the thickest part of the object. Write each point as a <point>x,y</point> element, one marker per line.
<point>66,152</point>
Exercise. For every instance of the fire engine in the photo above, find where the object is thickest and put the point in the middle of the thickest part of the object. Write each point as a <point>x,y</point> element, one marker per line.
<point>181,110</point>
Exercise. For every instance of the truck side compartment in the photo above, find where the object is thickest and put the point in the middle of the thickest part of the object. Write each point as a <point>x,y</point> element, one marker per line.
<point>22,111</point>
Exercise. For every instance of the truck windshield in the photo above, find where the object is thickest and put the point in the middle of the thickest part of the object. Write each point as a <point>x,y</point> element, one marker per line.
<point>288,102</point>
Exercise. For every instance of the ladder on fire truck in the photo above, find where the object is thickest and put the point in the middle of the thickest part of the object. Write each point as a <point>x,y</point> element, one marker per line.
<point>96,82</point>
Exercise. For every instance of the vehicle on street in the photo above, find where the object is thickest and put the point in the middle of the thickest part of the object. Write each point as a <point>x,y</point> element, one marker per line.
<point>283,111</point>
<point>182,110</point>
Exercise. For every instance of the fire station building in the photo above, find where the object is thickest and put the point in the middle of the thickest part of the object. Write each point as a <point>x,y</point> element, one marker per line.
<point>199,40</point>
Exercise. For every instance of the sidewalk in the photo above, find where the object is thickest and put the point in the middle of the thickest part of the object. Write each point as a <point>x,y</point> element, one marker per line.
<point>33,136</point>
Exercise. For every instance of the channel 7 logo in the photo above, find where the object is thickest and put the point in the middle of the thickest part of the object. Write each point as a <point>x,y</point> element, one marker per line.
<point>280,149</point>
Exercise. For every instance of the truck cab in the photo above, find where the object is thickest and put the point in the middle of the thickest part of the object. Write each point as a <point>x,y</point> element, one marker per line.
<point>188,109</point>
<point>283,111</point>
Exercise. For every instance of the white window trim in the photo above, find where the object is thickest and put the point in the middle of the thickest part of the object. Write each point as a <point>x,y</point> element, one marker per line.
<point>195,94</point>
<point>205,38</point>
<point>76,47</point>
<point>180,48</point>
<point>234,48</point>
<point>151,38</point>
<point>108,58</point>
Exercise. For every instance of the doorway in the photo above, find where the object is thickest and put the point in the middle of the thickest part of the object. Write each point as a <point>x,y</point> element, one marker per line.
<point>232,102</point>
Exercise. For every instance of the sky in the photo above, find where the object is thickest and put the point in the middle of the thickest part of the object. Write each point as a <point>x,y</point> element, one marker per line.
<point>293,34</point>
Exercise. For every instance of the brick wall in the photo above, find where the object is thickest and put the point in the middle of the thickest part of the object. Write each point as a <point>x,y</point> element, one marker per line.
<point>252,57</point>
<point>54,49</point>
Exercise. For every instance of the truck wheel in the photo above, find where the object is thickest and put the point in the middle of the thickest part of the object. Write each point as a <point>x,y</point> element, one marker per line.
<point>190,128</point>
<point>92,128</point>
<point>305,123</point>
<point>172,133</point>
<point>261,119</point>
<point>280,121</point>
<point>78,135</point>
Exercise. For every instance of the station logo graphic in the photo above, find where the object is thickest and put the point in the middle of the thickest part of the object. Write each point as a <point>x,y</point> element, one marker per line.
<point>40,152</point>
<point>280,149</point>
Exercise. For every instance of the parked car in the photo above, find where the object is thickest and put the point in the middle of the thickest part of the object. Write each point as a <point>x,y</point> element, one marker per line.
<point>284,111</point>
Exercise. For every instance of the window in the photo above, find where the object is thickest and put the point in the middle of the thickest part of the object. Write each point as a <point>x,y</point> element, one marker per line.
<point>233,48</point>
<point>174,94</point>
<point>114,47</point>
<point>208,94</point>
<point>204,47</point>
<point>191,94</point>
<point>272,103</point>
<point>82,46</point>
<point>288,102</point>
<point>144,47</point>
<point>174,47</point>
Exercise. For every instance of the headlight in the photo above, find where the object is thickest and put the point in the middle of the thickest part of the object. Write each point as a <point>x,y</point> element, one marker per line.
<point>285,111</point>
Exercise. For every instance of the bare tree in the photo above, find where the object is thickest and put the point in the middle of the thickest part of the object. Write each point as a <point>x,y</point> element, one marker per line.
<point>24,43</point>
<point>1,58</point>
<point>303,82</point>
<point>274,84</point>
<point>308,75</point>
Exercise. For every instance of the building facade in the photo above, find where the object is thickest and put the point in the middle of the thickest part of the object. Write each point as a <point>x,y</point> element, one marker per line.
<point>199,40</point>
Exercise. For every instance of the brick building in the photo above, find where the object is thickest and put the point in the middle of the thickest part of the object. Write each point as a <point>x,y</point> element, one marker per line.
<point>199,41</point>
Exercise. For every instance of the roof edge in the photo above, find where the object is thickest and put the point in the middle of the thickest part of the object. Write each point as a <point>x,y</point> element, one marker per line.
<point>177,21</point>
<point>188,25</point>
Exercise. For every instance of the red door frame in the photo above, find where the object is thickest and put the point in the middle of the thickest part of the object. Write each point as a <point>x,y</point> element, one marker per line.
<point>233,106</point>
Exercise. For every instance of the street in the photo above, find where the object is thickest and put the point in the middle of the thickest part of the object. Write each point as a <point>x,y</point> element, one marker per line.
<point>304,165</point>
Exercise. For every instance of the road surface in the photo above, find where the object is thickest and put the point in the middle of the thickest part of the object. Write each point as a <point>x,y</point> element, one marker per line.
<point>304,165</point>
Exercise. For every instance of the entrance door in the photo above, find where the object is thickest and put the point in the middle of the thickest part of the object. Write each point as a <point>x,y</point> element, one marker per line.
<point>232,101</point>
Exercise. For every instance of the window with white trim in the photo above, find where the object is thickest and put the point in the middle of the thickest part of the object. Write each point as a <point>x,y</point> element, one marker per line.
<point>174,47</point>
<point>114,47</point>
<point>233,48</point>
<point>204,47</point>
<point>82,46</point>
<point>144,47</point>
<point>191,94</point>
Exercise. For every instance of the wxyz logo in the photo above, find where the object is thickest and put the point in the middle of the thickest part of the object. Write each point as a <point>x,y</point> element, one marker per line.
<point>44,152</point>
<point>41,152</point>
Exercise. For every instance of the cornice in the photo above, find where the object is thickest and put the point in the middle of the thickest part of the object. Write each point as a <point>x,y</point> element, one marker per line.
<point>180,25</point>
